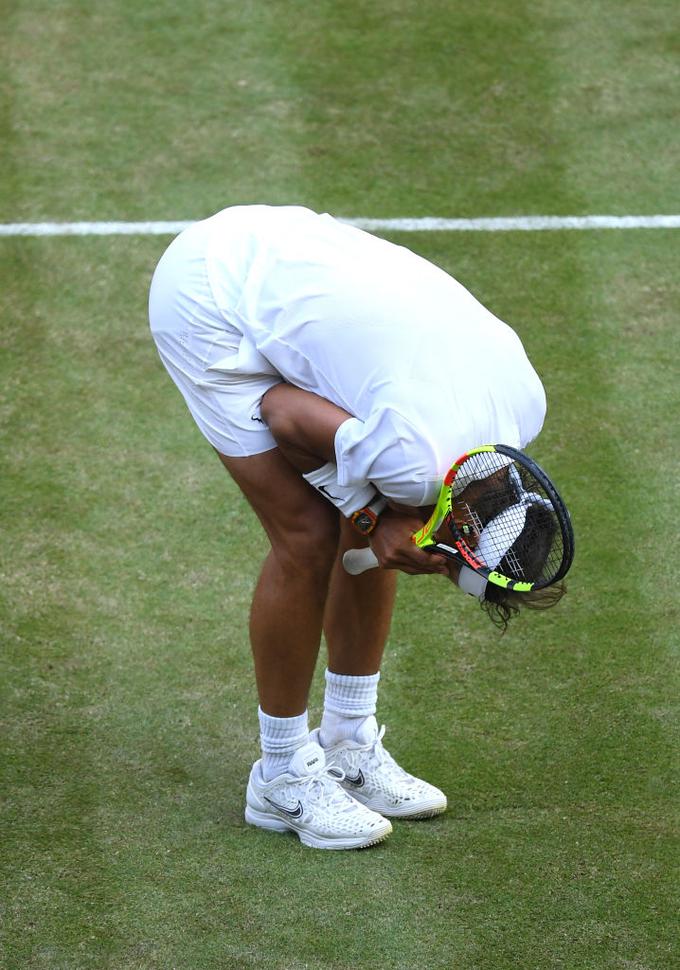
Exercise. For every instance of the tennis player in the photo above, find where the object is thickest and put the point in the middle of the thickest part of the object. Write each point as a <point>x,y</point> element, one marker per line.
<point>337,376</point>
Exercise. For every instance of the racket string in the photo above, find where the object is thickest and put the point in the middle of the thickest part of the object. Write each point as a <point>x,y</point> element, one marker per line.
<point>514,564</point>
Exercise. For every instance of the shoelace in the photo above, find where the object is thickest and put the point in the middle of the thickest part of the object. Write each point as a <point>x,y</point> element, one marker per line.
<point>316,787</point>
<point>377,749</point>
<point>383,757</point>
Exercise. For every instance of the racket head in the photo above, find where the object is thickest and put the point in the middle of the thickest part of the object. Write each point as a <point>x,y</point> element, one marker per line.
<point>500,514</point>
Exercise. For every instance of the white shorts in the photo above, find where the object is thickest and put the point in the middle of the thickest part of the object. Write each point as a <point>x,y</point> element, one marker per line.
<point>192,336</point>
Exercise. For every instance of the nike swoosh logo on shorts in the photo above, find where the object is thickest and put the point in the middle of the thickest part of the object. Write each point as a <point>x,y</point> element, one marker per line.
<point>293,812</point>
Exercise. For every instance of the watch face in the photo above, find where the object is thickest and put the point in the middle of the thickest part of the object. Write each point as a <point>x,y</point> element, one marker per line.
<point>364,522</point>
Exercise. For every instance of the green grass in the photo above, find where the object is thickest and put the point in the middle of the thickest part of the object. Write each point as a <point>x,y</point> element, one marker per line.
<point>172,109</point>
<point>126,696</point>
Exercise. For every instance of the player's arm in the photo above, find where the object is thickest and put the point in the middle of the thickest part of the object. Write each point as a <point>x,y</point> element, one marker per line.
<point>303,424</point>
<point>304,427</point>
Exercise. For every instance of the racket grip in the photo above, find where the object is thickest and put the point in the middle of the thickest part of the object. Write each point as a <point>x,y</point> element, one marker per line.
<point>357,561</point>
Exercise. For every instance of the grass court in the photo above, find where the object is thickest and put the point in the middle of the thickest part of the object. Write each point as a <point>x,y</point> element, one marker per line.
<point>127,704</point>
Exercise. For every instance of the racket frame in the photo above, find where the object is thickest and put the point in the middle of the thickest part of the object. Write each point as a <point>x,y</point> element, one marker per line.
<point>460,551</point>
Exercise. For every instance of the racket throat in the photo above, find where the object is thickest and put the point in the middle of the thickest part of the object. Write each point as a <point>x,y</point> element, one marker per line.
<point>469,580</point>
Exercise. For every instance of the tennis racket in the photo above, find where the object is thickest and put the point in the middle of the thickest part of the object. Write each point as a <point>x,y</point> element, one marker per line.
<point>501,517</point>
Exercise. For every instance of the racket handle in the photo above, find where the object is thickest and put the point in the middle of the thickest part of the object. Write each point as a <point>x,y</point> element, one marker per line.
<point>357,561</point>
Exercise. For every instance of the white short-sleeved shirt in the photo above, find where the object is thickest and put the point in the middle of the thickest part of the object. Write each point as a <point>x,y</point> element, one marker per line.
<point>426,371</point>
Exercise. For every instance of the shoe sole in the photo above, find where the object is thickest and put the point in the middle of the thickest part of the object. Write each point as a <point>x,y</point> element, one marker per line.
<point>416,816</point>
<point>275,824</point>
<point>428,810</point>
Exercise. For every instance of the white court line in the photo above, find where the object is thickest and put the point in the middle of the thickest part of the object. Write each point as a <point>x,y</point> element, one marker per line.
<point>499,224</point>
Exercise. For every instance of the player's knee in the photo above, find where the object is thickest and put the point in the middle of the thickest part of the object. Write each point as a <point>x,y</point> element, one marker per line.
<point>310,547</point>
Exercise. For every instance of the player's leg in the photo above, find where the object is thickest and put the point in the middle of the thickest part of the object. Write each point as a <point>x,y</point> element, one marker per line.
<point>289,600</point>
<point>289,787</point>
<point>358,612</point>
<point>357,624</point>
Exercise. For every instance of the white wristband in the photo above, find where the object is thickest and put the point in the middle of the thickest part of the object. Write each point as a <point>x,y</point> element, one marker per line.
<point>347,498</point>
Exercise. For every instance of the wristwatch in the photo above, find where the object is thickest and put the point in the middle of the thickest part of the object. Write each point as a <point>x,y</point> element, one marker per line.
<point>365,520</point>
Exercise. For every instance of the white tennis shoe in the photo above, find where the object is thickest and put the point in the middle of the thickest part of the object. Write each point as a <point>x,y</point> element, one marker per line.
<point>373,777</point>
<point>309,800</point>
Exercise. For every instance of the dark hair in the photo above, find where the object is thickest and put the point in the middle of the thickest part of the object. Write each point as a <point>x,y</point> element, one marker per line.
<point>500,605</point>
<point>531,548</point>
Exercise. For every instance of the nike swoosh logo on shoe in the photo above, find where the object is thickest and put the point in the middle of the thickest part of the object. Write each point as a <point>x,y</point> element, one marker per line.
<point>359,781</point>
<point>293,812</point>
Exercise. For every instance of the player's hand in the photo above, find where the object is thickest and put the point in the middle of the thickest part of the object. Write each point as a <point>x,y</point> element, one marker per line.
<point>395,549</point>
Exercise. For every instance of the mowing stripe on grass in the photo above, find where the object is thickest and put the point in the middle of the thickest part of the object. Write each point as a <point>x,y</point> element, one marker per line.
<point>484,224</point>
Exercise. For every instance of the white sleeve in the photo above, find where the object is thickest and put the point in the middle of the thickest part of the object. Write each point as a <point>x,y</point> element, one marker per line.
<point>391,452</point>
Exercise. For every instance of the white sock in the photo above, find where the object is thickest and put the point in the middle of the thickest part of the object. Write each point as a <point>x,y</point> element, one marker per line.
<point>280,738</point>
<point>349,701</point>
